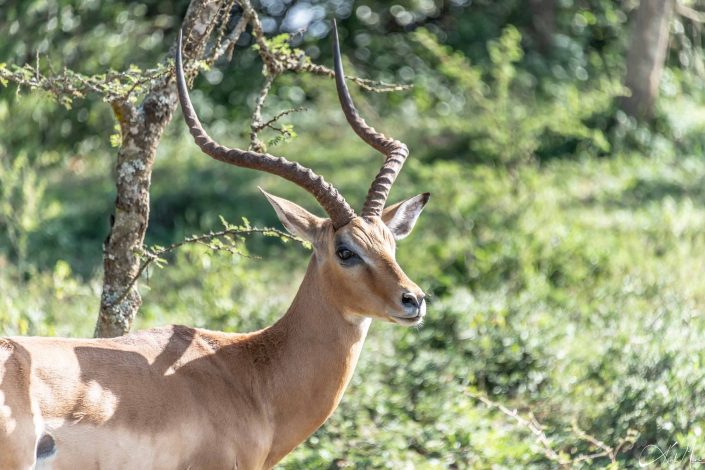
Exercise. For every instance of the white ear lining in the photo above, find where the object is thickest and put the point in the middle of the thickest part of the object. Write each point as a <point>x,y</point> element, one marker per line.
<point>406,214</point>
<point>297,220</point>
<point>284,219</point>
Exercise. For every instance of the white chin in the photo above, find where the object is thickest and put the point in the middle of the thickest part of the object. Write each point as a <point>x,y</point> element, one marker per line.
<point>411,321</point>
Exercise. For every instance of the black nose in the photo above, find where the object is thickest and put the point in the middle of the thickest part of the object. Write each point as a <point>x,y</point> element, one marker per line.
<point>410,300</point>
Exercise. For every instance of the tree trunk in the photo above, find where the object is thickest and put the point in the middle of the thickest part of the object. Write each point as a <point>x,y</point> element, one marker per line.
<point>646,56</point>
<point>543,23</point>
<point>141,129</point>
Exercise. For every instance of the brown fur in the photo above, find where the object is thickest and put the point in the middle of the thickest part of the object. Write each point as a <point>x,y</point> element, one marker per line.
<point>180,397</point>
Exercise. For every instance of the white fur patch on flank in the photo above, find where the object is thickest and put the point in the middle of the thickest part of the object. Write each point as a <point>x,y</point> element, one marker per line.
<point>7,423</point>
<point>101,401</point>
<point>118,448</point>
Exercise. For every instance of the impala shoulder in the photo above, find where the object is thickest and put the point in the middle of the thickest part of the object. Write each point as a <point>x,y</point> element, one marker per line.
<point>213,341</point>
<point>157,335</point>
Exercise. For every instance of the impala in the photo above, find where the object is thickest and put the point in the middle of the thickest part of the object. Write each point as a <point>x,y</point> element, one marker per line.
<point>188,398</point>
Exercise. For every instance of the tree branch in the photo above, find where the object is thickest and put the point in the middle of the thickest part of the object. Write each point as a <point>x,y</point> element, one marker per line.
<point>256,122</point>
<point>564,458</point>
<point>690,13</point>
<point>155,254</point>
<point>142,124</point>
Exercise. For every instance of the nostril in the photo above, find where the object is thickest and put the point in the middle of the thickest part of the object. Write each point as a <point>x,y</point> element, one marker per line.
<point>410,300</point>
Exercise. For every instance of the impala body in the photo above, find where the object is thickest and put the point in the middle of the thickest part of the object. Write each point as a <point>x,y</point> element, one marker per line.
<point>187,398</point>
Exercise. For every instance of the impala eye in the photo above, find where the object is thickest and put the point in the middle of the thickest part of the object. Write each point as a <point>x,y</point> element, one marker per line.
<point>345,254</point>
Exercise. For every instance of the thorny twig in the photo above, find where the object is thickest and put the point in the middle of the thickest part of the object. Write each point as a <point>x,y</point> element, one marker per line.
<point>120,89</point>
<point>227,46</point>
<point>116,86</point>
<point>625,443</point>
<point>256,123</point>
<point>70,85</point>
<point>280,60</point>
<point>364,83</point>
<point>279,116</point>
<point>272,65</point>
<point>222,19</point>
<point>531,424</point>
<point>562,457</point>
<point>152,255</point>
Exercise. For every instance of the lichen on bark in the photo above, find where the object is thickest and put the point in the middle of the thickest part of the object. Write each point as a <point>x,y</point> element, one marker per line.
<point>141,130</point>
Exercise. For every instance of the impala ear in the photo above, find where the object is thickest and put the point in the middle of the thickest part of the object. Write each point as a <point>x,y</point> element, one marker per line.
<point>297,220</point>
<point>401,217</point>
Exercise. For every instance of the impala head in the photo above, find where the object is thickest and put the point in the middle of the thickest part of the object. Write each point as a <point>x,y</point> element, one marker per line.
<point>356,262</point>
<point>355,254</point>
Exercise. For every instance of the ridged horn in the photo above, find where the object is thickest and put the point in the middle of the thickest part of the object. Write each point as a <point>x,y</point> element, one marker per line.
<point>395,151</point>
<point>327,196</point>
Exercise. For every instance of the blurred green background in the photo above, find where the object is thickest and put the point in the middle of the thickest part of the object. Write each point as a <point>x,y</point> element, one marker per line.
<point>563,245</point>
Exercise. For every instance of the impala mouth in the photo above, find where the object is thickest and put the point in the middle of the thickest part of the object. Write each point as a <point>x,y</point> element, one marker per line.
<point>409,321</point>
<point>412,320</point>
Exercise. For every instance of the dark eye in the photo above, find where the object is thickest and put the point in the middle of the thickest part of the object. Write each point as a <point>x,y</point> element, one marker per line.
<point>345,254</point>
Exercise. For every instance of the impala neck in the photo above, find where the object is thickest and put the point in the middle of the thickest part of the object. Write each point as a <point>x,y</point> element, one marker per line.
<point>319,351</point>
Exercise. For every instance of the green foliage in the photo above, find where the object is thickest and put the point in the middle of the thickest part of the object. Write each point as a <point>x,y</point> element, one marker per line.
<point>35,303</point>
<point>562,247</point>
<point>502,119</point>
<point>579,309</point>
<point>571,289</point>
<point>287,133</point>
<point>70,86</point>
<point>280,45</point>
<point>22,205</point>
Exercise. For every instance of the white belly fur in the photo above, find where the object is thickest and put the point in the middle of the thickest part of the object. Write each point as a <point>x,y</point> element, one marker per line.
<point>82,446</point>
